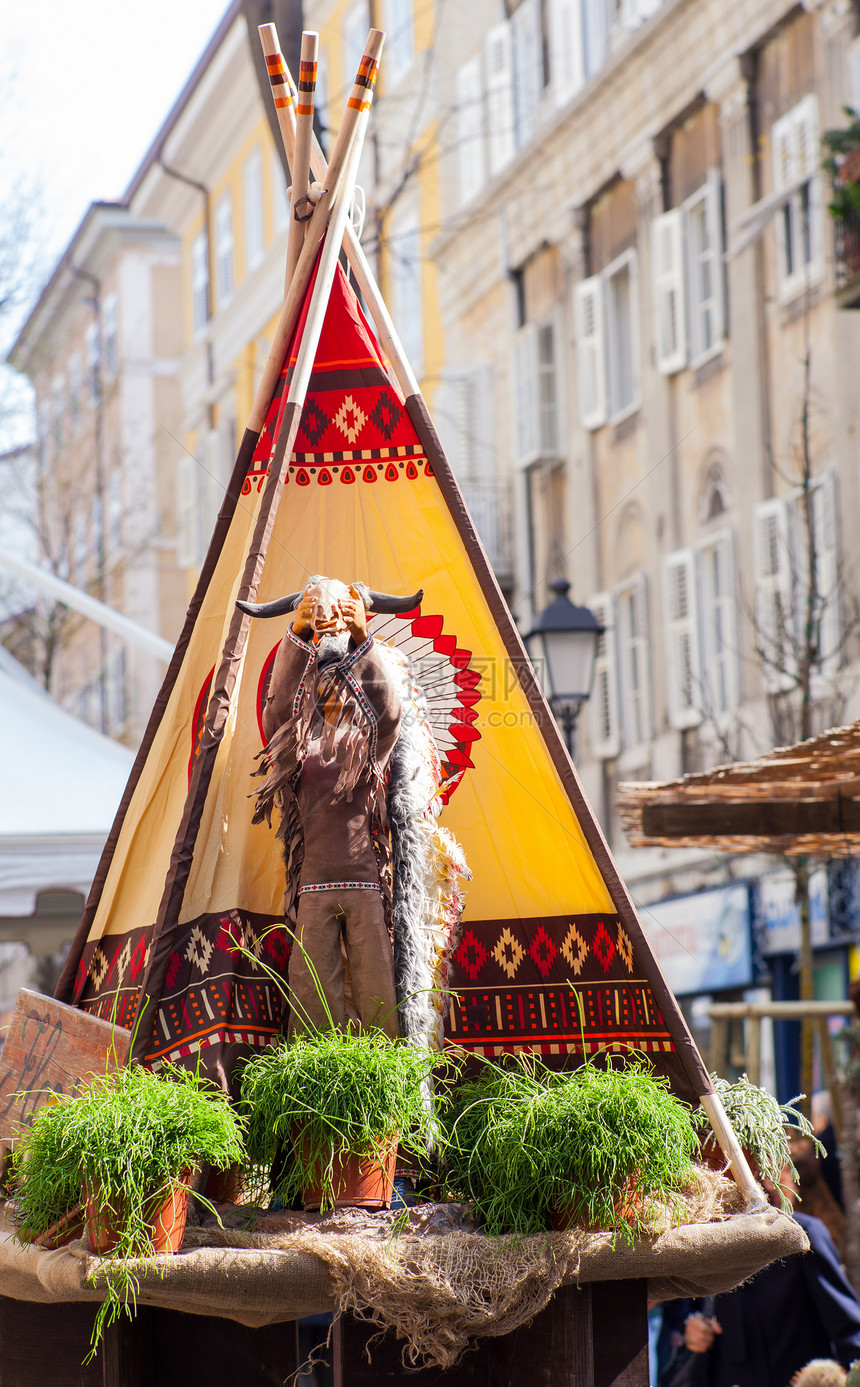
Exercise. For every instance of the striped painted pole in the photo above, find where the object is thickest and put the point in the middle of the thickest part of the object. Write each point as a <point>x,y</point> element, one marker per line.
<point>300,207</point>
<point>357,110</point>
<point>282,93</point>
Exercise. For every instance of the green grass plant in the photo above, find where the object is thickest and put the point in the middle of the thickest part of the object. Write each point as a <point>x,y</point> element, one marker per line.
<point>129,1134</point>
<point>760,1124</point>
<point>347,1092</point>
<point>525,1144</point>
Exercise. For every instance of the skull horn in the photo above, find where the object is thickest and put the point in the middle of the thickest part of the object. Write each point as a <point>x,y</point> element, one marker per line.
<point>279,607</point>
<point>386,604</point>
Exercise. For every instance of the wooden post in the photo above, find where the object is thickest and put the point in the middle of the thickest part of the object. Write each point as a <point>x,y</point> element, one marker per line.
<point>831,1078</point>
<point>753,1048</point>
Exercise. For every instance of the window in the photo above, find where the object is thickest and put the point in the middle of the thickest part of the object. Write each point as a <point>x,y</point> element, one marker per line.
<point>465,414</point>
<point>109,344</point>
<point>686,247</point>
<point>224,249</point>
<point>356,26</point>
<point>252,179</point>
<point>607,343</point>
<point>528,68</point>
<point>404,250</point>
<point>719,631</point>
<point>536,393</point>
<point>796,156</point>
<point>597,16</point>
<point>774,593</point>
<point>115,511</point>
<point>588,320</point>
<point>91,348</point>
<point>667,258</point>
<point>603,704</point>
<point>622,326</point>
<point>633,640</point>
<point>200,281</point>
<point>783,582</point>
<point>471,168</point>
<point>400,45</point>
<point>567,58</point>
<point>501,144</point>
<point>682,638</point>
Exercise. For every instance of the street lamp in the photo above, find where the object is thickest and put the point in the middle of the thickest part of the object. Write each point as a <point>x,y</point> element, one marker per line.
<point>562,646</point>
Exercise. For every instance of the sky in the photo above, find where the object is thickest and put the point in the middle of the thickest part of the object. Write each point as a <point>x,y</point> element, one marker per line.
<point>84,88</point>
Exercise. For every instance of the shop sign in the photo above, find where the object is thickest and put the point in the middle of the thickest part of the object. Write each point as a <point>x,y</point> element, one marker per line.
<point>702,942</point>
<point>780,912</point>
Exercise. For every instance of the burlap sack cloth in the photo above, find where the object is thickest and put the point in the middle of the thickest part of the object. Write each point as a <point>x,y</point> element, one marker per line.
<point>427,1278</point>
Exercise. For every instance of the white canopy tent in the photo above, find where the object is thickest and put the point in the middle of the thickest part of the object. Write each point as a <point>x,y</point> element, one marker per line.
<point>61,784</point>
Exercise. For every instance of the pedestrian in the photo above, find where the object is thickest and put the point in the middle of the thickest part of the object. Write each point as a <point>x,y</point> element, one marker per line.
<point>764,1332</point>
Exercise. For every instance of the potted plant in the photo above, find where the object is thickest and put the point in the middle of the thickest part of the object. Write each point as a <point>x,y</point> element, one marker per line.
<point>842,163</point>
<point>125,1147</point>
<point>532,1149</point>
<point>344,1101</point>
<point>759,1123</point>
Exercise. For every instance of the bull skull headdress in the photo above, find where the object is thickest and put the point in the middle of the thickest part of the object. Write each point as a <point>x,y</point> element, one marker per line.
<point>375,603</point>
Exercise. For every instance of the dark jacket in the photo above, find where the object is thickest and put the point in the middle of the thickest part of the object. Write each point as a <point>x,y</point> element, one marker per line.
<point>792,1311</point>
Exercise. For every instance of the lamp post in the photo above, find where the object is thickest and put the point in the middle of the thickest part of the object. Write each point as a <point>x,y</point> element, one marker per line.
<point>562,646</point>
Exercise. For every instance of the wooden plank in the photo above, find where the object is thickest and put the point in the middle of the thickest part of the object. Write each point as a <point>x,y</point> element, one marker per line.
<point>619,1318</point>
<point>43,1345</point>
<point>593,1336</point>
<point>50,1049</point>
<point>126,1352</point>
<point>190,1349</point>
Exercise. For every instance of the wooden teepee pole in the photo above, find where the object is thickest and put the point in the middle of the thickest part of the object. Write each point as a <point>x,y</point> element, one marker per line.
<point>301,160</point>
<point>229,670</point>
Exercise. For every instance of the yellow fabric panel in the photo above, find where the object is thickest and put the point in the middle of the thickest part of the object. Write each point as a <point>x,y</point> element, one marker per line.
<point>522,840</point>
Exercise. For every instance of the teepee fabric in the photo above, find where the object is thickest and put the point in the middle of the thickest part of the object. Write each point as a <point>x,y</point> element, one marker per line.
<point>551,958</point>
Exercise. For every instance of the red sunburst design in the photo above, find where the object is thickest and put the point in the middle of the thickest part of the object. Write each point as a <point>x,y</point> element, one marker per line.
<point>199,719</point>
<point>441,668</point>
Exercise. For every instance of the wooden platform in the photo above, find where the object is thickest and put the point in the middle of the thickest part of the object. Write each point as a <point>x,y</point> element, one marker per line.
<point>592,1337</point>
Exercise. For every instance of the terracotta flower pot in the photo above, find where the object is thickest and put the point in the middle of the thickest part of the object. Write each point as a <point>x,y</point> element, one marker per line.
<point>165,1219</point>
<point>572,1214</point>
<point>224,1186</point>
<point>358,1183</point>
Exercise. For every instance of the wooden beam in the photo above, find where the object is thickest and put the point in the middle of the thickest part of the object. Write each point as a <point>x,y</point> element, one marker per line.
<point>750,818</point>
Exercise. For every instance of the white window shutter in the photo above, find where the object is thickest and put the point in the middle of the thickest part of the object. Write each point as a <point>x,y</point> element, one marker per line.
<point>501,144</point>
<point>471,167</point>
<point>719,650</point>
<point>603,704</point>
<point>567,59</point>
<point>774,593</point>
<point>187,528</point>
<point>591,351</point>
<point>825,526</point>
<point>634,639</point>
<point>682,635</point>
<point>528,58</point>
<point>667,257</point>
<point>714,205</point>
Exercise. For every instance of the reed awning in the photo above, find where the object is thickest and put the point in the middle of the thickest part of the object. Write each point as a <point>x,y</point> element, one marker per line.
<point>801,800</point>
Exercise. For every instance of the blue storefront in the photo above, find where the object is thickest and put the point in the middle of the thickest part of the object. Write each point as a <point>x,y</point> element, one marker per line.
<point>739,942</point>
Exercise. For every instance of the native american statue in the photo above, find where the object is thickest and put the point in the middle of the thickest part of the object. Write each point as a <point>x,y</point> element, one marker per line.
<point>352,766</point>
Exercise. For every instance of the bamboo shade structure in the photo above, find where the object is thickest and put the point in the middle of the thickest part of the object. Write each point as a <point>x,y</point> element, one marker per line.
<point>801,800</point>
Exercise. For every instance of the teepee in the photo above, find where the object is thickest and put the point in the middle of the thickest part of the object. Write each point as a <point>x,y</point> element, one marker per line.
<point>340,471</point>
